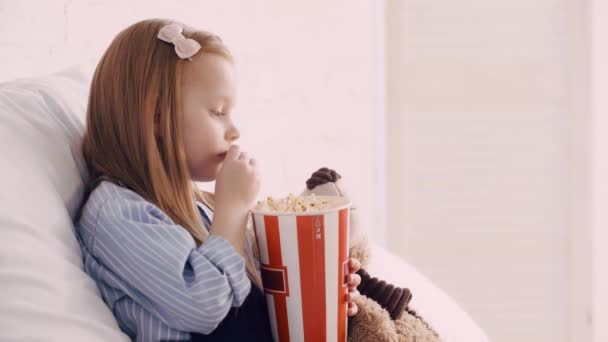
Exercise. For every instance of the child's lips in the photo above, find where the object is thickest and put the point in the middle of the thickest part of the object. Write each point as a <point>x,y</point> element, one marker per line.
<point>222,155</point>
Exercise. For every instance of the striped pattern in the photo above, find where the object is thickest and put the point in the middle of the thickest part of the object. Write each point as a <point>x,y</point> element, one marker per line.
<point>309,254</point>
<point>159,285</point>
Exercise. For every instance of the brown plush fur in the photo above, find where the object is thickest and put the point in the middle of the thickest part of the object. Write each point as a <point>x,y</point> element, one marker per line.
<point>373,323</point>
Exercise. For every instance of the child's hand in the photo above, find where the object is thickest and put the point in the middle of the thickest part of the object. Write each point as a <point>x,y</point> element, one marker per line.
<point>353,280</point>
<point>238,182</point>
<point>236,188</point>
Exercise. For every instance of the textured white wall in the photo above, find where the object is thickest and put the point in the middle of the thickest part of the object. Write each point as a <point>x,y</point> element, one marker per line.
<point>599,28</point>
<point>309,76</point>
<point>484,112</point>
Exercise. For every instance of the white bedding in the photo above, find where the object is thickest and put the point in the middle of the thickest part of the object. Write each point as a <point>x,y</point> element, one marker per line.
<point>441,311</point>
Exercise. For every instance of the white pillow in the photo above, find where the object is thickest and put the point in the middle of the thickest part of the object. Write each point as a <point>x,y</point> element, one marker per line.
<point>44,293</point>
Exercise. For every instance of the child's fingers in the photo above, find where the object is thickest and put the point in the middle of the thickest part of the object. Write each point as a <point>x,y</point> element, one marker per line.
<point>233,152</point>
<point>352,295</point>
<point>244,156</point>
<point>353,280</point>
<point>354,265</point>
<point>352,309</point>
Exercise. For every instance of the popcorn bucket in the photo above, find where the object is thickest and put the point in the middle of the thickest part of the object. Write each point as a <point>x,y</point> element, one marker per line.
<point>304,263</point>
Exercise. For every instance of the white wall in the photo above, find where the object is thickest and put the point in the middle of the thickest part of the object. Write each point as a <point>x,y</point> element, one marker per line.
<point>309,76</point>
<point>580,300</point>
<point>487,123</point>
<point>599,28</point>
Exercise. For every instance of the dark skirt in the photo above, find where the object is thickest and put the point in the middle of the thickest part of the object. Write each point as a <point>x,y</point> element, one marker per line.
<point>248,322</point>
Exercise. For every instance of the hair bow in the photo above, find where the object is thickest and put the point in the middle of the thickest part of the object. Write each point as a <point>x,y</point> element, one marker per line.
<point>184,47</point>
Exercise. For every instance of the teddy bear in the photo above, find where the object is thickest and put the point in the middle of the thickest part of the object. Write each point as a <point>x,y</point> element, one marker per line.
<point>384,313</point>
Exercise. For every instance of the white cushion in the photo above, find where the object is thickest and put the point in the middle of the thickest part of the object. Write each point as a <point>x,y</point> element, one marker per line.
<point>429,301</point>
<point>44,293</point>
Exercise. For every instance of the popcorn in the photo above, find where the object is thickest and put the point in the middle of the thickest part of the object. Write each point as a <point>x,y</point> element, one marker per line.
<point>293,204</point>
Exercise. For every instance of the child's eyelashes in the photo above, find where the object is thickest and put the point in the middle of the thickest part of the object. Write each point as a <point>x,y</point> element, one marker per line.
<point>218,113</point>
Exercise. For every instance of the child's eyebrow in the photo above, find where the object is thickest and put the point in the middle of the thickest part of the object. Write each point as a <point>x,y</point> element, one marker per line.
<point>216,97</point>
<point>226,98</point>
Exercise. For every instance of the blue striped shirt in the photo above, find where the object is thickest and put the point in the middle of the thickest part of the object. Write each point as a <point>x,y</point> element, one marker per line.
<point>157,282</point>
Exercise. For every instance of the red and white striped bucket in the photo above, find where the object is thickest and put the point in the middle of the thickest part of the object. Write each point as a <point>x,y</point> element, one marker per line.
<point>304,263</point>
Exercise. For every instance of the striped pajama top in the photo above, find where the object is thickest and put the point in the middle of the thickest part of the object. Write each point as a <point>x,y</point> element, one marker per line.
<point>157,282</point>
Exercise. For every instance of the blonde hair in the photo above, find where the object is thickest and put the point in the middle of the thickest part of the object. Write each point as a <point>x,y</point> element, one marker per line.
<point>133,108</point>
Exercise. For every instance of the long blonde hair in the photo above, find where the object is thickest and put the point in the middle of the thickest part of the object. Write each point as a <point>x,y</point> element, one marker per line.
<point>133,108</point>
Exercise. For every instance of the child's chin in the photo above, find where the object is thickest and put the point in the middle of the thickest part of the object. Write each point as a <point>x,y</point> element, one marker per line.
<point>203,179</point>
<point>208,176</point>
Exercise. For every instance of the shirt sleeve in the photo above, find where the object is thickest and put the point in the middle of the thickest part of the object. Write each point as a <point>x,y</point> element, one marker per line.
<point>188,288</point>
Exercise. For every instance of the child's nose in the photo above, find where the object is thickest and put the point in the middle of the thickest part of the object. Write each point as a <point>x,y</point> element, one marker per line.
<point>233,134</point>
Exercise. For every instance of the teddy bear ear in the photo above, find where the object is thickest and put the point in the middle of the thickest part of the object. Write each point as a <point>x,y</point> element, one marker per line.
<point>322,176</point>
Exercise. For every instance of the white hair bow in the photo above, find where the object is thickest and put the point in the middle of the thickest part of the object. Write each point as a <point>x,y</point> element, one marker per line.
<point>184,47</point>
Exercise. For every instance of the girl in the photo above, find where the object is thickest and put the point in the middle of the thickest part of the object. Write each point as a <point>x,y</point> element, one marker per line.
<point>172,262</point>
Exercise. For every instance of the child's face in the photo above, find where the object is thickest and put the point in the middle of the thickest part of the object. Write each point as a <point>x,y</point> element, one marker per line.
<point>207,99</point>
